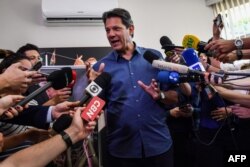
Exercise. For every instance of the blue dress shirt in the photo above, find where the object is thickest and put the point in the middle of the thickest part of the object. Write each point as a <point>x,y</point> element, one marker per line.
<point>136,124</point>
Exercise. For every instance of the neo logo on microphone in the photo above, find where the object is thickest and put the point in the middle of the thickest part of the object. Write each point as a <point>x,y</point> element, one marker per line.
<point>93,109</point>
<point>93,89</point>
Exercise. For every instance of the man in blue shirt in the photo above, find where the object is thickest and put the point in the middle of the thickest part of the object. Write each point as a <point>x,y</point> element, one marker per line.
<point>137,134</point>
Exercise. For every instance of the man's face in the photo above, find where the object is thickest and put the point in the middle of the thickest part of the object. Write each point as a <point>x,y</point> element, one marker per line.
<point>118,35</point>
<point>33,55</point>
<point>25,66</point>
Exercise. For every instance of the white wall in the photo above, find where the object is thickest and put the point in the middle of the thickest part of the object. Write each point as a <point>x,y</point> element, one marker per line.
<point>21,22</point>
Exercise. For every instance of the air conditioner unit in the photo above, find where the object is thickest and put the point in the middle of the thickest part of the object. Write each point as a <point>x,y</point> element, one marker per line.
<point>75,12</point>
<point>212,2</point>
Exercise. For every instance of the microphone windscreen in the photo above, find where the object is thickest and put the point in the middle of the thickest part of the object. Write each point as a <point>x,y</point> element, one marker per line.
<point>201,47</point>
<point>62,123</point>
<point>163,77</point>
<point>190,41</point>
<point>167,44</point>
<point>60,78</point>
<point>164,40</point>
<point>150,56</point>
<point>69,73</point>
<point>103,80</point>
<point>190,56</point>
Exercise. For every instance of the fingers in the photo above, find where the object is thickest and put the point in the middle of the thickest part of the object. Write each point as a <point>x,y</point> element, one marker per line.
<point>101,68</point>
<point>11,113</point>
<point>16,98</point>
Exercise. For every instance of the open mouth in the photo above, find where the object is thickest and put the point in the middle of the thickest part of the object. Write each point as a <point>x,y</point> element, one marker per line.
<point>115,42</point>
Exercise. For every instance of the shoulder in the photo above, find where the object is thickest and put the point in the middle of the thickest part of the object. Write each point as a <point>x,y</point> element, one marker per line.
<point>143,50</point>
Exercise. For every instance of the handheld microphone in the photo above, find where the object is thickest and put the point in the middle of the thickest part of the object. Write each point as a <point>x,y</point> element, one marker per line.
<point>192,60</point>
<point>96,87</point>
<point>61,123</point>
<point>57,79</point>
<point>93,109</point>
<point>192,41</point>
<point>71,85</point>
<point>167,45</point>
<point>156,63</point>
<point>173,77</point>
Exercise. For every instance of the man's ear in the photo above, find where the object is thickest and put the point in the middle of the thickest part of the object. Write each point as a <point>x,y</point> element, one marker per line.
<point>131,30</point>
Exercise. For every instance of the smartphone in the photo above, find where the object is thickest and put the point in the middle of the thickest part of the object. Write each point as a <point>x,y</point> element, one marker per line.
<point>218,20</point>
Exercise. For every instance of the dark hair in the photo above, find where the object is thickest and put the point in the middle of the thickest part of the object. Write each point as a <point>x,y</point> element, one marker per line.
<point>121,13</point>
<point>27,47</point>
<point>4,53</point>
<point>11,59</point>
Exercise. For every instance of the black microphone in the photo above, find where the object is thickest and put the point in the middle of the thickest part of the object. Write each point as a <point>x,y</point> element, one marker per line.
<point>57,79</point>
<point>96,87</point>
<point>167,44</point>
<point>61,123</point>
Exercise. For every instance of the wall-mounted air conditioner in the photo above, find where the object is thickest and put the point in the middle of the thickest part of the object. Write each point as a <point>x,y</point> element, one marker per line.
<point>212,2</point>
<point>75,12</point>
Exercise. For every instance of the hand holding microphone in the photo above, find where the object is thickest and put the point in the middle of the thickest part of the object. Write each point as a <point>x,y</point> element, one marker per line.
<point>172,51</point>
<point>192,41</point>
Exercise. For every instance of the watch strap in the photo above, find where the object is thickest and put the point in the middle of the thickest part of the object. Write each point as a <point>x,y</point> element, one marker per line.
<point>66,138</point>
<point>239,54</point>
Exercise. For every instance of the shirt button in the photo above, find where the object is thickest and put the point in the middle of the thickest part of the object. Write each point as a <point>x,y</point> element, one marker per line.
<point>132,73</point>
<point>134,86</point>
<point>137,100</point>
<point>138,115</point>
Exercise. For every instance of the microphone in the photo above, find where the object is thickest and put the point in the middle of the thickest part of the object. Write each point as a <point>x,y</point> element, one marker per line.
<point>57,79</point>
<point>96,87</point>
<point>173,77</point>
<point>167,45</point>
<point>192,60</point>
<point>192,41</point>
<point>93,109</point>
<point>71,85</point>
<point>61,123</point>
<point>162,65</point>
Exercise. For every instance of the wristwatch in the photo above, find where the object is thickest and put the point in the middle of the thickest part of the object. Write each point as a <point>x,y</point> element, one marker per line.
<point>238,43</point>
<point>239,54</point>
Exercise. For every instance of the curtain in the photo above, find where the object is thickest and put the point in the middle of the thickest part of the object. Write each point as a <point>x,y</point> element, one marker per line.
<point>236,17</point>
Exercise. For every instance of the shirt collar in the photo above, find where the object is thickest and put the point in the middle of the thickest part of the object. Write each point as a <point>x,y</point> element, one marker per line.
<point>136,51</point>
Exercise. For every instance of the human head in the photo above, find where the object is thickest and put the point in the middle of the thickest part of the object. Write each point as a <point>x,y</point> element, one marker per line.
<point>31,51</point>
<point>4,53</point>
<point>12,59</point>
<point>119,28</point>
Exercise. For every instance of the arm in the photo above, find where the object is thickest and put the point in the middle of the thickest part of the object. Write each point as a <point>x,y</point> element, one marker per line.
<point>15,78</point>
<point>37,155</point>
<point>222,46</point>
<point>238,84</point>
<point>8,101</point>
<point>58,97</point>
<point>234,96</point>
<point>166,97</point>
<point>34,135</point>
